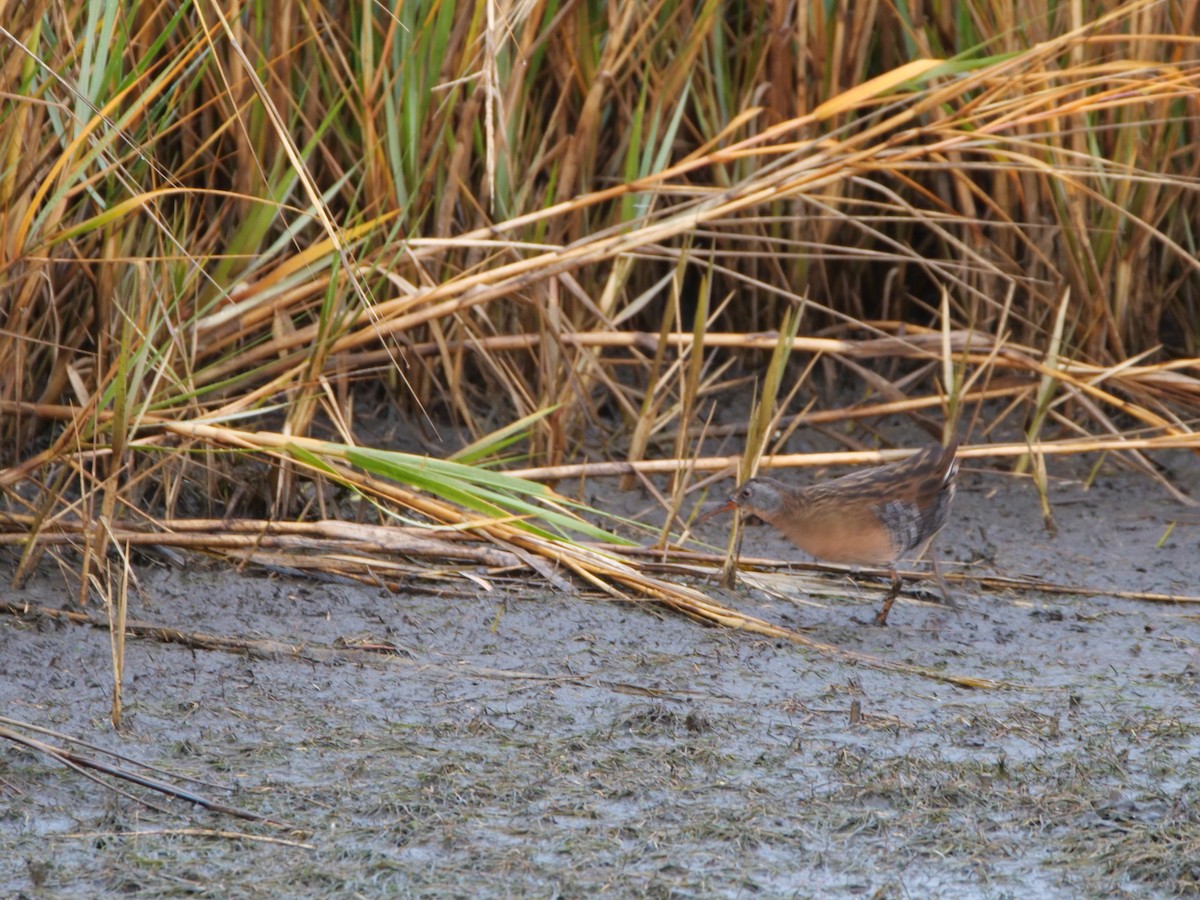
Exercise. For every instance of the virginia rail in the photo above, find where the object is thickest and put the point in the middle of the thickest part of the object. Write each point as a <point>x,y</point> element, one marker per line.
<point>873,517</point>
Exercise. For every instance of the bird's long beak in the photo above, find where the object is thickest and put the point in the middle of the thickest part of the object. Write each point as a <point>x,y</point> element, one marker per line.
<point>717,510</point>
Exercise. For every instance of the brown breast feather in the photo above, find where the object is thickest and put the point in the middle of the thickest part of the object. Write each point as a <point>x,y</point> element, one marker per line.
<point>875,516</point>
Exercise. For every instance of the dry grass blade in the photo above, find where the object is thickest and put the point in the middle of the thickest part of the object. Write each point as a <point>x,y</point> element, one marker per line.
<point>484,211</point>
<point>605,570</point>
<point>858,457</point>
<point>87,765</point>
<point>694,603</point>
<point>763,420</point>
<point>247,250</point>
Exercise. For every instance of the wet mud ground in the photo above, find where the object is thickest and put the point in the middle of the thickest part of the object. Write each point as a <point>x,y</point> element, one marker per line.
<point>523,743</point>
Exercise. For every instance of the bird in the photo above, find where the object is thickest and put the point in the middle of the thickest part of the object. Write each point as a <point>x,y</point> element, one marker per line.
<point>872,517</point>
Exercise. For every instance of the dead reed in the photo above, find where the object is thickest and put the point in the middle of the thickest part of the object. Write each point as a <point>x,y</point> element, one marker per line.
<point>223,232</point>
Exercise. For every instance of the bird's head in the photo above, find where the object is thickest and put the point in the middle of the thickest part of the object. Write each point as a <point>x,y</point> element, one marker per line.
<point>762,497</point>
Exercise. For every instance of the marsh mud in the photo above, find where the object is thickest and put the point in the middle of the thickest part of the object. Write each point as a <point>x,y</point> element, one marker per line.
<point>517,742</point>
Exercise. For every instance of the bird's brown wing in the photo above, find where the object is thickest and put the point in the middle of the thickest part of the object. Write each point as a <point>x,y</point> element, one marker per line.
<point>921,475</point>
<point>926,494</point>
<point>901,506</point>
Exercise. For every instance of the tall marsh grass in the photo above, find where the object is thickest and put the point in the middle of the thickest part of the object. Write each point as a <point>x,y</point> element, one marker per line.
<point>591,218</point>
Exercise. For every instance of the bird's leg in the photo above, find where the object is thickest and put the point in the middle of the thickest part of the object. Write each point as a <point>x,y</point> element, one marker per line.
<point>881,616</point>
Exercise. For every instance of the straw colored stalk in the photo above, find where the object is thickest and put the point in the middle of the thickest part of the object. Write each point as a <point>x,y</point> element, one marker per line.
<point>249,535</point>
<point>817,165</point>
<point>1169,380</point>
<point>607,571</point>
<point>857,457</point>
<point>698,562</point>
<point>269,440</point>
